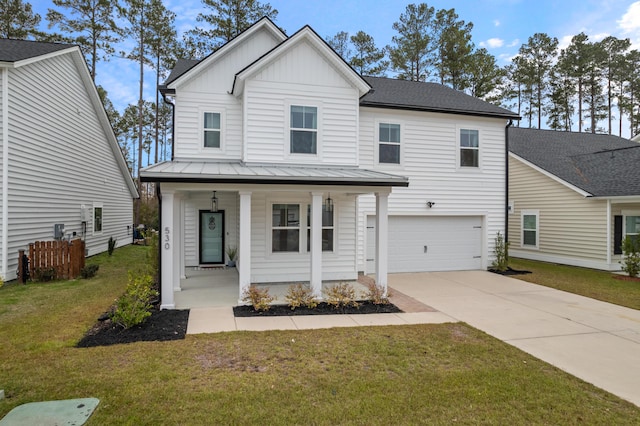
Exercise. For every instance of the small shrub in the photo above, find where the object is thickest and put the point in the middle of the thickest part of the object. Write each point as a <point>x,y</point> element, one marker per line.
<point>112,245</point>
<point>1,282</point>
<point>89,271</point>
<point>341,296</point>
<point>300,295</point>
<point>631,255</point>
<point>44,274</point>
<point>259,298</point>
<point>501,251</point>
<point>376,294</point>
<point>134,306</point>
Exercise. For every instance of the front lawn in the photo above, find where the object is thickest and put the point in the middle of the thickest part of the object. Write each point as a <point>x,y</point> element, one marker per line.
<point>422,374</point>
<point>592,283</point>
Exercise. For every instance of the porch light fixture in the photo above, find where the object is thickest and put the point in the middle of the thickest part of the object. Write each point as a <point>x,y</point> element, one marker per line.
<point>328,204</point>
<point>214,203</point>
<point>431,204</point>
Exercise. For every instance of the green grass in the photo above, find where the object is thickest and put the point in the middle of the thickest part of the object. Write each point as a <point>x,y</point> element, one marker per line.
<point>422,374</point>
<point>592,283</point>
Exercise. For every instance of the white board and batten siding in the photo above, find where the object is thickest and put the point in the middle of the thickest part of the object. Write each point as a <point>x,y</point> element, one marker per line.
<point>301,77</point>
<point>60,159</point>
<point>572,228</point>
<point>430,158</point>
<point>208,91</point>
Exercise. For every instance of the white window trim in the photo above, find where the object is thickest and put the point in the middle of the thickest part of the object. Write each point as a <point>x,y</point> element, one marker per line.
<point>313,158</point>
<point>376,143</point>
<point>335,241</point>
<point>201,130</point>
<point>535,213</point>
<point>626,213</point>
<point>459,148</point>
<point>271,228</point>
<point>93,218</point>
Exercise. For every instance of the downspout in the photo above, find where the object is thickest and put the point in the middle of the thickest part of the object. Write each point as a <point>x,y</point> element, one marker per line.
<point>173,123</point>
<point>506,184</point>
<point>5,173</point>
<point>159,197</point>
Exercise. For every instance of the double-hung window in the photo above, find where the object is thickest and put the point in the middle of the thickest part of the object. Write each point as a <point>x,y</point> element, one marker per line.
<point>212,130</point>
<point>632,226</point>
<point>304,130</point>
<point>285,228</point>
<point>389,143</point>
<point>469,148</point>
<point>327,229</point>
<point>530,231</point>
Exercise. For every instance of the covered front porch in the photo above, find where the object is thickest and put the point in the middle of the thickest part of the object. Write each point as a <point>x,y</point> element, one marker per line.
<point>288,225</point>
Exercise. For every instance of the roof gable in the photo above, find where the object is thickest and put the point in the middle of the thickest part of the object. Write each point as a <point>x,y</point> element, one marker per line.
<point>601,165</point>
<point>189,69</point>
<point>426,96</point>
<point>304,35</point>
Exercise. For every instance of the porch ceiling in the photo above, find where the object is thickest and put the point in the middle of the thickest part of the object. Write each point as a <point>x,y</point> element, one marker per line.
<point>237,172</point>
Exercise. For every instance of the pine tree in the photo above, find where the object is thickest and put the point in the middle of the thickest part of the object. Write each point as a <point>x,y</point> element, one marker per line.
<point>17,20</point>
<point>412,52</point>
<point>614,50</point>
<point>90,24</point>
<point>454,52</point>
<point>367,59</point>
<point>484,76</point>
<point>340,43</point>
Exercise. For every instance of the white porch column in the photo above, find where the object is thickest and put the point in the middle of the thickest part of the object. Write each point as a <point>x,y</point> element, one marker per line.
<point>316,244</point>
<point>177,241</point>
<point>244,243</point>
<point>382,239</point>
<point>167,245</point>
<point>609,244</point>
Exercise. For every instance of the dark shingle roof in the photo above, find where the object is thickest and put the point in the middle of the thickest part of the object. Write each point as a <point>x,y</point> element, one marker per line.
<point>602,165</point>
<point>404,94</point>
<point>19,50</point>
<point>181,67</point>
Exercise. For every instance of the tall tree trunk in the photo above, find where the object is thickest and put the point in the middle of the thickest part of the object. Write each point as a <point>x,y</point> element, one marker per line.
<point>140,115</point>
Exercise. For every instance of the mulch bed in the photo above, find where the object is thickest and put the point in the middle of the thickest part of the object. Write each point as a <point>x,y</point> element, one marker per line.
<point>626,278</point>
<point>364,307</point>
<point>159,327</point>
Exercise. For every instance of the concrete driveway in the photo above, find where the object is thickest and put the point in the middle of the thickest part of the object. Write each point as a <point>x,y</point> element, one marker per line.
<point>595,341</point>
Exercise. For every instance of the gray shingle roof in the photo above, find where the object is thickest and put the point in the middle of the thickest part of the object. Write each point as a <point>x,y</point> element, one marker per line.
<point>404,94</point>
<point>602,165</point>
<point>19,50</point>
<point>181,67</point>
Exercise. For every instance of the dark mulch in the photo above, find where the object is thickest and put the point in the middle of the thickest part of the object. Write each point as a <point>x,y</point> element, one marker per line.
<point>160,326</point>
<point>509,271</point>
<point>364,307</point>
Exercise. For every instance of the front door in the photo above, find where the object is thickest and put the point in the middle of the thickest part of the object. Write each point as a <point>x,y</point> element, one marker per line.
<point>211,237</point>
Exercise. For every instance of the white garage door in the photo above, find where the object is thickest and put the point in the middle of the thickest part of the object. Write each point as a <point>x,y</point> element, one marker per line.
<point>433,243</point>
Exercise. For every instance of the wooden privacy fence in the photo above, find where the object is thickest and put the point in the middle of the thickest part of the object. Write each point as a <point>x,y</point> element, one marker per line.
<point>53,259</point>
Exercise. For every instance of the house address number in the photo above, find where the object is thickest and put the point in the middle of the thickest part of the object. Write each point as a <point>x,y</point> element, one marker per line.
<point>167,233</point>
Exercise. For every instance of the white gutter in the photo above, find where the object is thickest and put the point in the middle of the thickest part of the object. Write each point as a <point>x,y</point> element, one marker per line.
<point>5,172</point>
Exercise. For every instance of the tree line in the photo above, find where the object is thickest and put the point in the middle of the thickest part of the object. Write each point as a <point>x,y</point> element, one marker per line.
<point>590,86</point>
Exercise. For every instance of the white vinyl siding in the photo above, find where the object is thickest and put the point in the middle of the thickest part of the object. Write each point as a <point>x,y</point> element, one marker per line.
<point>63,162</point>
<point>570,225</point>
<point>430,152</point>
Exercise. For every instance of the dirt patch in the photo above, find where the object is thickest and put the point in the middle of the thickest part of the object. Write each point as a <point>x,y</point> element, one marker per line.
<point>626,278</point>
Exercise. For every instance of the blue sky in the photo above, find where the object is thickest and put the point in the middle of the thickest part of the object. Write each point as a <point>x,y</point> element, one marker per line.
<point>501,26</point>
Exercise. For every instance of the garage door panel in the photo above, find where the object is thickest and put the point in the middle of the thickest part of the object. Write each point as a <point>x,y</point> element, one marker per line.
<point>432,243</point>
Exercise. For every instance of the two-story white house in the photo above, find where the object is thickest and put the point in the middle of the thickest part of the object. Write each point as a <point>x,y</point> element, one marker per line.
<point>316,173</point>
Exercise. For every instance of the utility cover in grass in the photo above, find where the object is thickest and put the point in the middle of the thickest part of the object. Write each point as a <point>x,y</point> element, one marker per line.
<point>49,413</point>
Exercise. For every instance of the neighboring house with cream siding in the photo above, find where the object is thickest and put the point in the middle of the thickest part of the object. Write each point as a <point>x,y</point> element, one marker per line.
<point>316,173</point>
<point>60,161</point>
<point>574,196</point>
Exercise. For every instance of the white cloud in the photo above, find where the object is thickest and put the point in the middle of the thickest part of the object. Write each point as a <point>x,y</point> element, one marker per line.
<point>496,23</point>
<point>599,36</point>
<point>514,43</point>
<point>565,41</point>
<point>630,21</point>
<point>492,43</point>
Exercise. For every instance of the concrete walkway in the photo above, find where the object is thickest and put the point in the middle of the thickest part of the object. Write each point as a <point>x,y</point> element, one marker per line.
<point>595,341</point>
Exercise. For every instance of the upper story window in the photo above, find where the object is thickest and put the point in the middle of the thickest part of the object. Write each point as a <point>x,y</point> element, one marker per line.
<point>469,148</point>
<point>304,129</point>
<point>212,130</point>
<point>389,143</point>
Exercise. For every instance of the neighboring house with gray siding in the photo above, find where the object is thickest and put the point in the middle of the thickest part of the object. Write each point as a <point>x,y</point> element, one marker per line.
<point>574,196</point>
<point>60,162</point>
<point>319,173</point>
